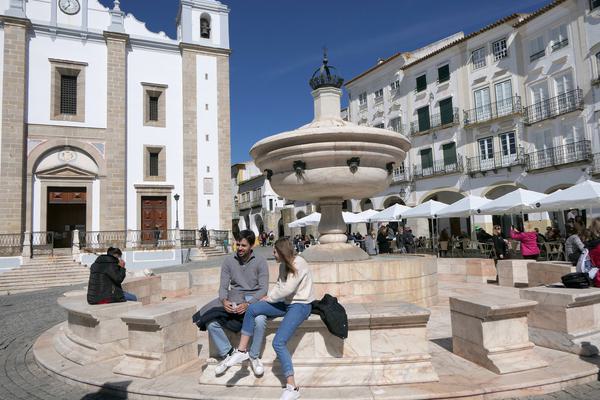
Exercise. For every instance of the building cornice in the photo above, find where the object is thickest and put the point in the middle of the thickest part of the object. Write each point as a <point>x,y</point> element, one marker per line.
<point>204,49</point>
<point>118,36</point>
<point>9,20</point>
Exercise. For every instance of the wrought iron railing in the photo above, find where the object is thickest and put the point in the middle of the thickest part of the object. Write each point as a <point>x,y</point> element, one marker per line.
<point>496,161</point>
<point>491,111</point>
<point>553,107</point>
<point>250,203</point>
<point>559,155</point>
<point>439,167</point>
<point>537,55</point>
<point>187,237</point>
<point>560,45</point>
<point>11,244</point>
<point>219,238</point>
<point>42,243</point>
<point>435,121</point>
<point>102,240</point>
<point>401,175</point>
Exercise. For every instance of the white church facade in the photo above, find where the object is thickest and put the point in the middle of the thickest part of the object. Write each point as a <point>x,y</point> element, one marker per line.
<point>107,126</point>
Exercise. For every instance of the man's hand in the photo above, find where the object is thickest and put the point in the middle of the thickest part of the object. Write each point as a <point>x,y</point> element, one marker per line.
<point>241,308</point>
<point>265,298</point>
<point>229,307</point>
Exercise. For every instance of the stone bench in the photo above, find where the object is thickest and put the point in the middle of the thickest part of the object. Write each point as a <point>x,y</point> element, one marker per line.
<point>565,319</point>
<point>387,344</point>
<point>161,337</point>
<point>492,331</point>
<point>475,270</point>
<point>512,272</point>
<point>147,288</point>
<point>92,332</point>
<point>547,273</point>
<point>175,284</point>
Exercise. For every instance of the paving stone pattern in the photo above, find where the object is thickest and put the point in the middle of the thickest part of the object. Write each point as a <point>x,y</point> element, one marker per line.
<point>26,316</point>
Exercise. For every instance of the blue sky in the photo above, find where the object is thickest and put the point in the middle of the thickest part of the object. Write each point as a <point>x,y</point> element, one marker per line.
<point>277,44</point>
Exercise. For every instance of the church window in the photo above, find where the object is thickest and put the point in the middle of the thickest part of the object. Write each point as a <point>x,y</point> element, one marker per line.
<point>154,104</point>
<point>67,90</point>
<point>68,94</point>
<point>205,26</point>
<point>155,163</point>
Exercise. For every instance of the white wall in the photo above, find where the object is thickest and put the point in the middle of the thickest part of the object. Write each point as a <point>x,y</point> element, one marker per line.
<point>208,151</point>
<point>157,67</point>
<point>41,49</point>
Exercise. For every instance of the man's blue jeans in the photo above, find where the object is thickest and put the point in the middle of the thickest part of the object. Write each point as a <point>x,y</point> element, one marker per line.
<point>293,315</point>
<point>129,296</point>
<point>221,341</point>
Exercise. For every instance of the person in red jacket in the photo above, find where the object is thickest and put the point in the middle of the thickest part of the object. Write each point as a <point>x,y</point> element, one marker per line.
<point>594,244</point>
<point>529,246</point>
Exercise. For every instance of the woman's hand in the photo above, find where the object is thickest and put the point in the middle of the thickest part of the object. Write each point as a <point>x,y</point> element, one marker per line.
<point>265,298</point>
<point>241,308</point>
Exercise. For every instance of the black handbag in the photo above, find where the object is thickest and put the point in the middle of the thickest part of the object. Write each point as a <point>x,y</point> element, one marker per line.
<point>576,280</point>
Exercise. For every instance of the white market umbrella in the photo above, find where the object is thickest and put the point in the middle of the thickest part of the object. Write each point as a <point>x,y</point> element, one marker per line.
<point>583,195</point>
<point>464,207</point>
<point>426,210</point>
<point>311,219</point>
<point>365,216</point>
<point>391,213</point>
<point>515,202</point>
<point>351,218</point>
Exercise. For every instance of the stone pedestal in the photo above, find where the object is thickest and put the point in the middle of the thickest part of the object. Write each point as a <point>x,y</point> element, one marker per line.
<point>387,344</point>
<point>175,284</point>
<point>161,337</point>
<point>492,331</point>
<point>472,270</point>
<point>512,272</point>
<point>565,319</point>
<point>147,289</point>
<point>547,273</point>
<point>93,332</point>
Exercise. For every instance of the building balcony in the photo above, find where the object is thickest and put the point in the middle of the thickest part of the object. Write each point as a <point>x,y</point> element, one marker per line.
<point>492,111</point>
<point>244,205</point>
<point>400,176</point>
<point>596,164</point>
<point>560,155</point>
<point>436,121</point>
<point>553,107</point>
<point>494,163</point>
<point>439,168</point>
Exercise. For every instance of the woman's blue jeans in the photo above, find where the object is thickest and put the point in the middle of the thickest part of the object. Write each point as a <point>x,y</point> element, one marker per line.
<point>293,315</point>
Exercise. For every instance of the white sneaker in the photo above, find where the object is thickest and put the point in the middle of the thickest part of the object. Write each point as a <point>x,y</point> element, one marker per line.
<point>236,358</point>
<point>257,366</point>
<point>222,365</point>
<point>290,393</point>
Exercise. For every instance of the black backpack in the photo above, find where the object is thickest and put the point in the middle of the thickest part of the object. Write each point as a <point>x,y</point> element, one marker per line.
<point>576,280</point>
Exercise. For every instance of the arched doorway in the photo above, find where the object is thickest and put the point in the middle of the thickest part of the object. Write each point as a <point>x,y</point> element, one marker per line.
<point>390,201</point>
<point>505,221</point>
<point>454,226</point>
<point>366,204</point>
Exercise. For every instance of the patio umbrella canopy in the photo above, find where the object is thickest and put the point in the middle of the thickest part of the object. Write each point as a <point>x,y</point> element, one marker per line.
<point>515,202</point>
<point>463,208</point>
<point>366,215</point>
<point>582,195</point>
<point>428,209</point>
<point>315,218</point>
<point>391,213</point>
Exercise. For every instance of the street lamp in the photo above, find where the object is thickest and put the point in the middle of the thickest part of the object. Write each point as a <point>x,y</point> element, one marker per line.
<point>176,197</point>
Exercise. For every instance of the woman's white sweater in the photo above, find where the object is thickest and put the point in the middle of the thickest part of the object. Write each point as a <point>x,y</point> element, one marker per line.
<point>296,288</point>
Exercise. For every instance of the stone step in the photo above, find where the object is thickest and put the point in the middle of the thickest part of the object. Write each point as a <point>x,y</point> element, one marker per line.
<point>42,270</point>
<point>42,262</point>
<point>7,291</point>
<point>42,280</point>
<point>54,266</point>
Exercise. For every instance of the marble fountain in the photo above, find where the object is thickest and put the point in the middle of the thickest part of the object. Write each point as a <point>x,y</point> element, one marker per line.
<point>418,329</point>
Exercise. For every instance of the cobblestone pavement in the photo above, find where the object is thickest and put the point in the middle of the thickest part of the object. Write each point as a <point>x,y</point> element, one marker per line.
<point>23,317</point>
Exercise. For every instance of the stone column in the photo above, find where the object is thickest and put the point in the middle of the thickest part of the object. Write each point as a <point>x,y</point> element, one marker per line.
<point>113,200</point>
<point>190,138</point>
<point>13,149</point>
<point>75,245</point>
<point>223,118</point>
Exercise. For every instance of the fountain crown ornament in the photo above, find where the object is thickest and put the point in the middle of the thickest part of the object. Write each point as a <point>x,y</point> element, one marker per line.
<point>325,76</point>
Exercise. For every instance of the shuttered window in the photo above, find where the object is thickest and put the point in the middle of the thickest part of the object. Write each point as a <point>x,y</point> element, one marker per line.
<point>449,150</point>
<point>68,94</point>
<point>421,83</point>
<point>426,158</point>
<point>446,114</point>
<point>444,73</point>
<point>423,114</point>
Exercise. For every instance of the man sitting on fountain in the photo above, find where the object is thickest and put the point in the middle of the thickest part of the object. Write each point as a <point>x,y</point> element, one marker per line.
<point>244,281</point>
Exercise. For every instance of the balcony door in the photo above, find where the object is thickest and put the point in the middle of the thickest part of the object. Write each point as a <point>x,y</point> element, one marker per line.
<point>565,98</point>
<point>545,150</point>
<point>427,162</point>
<point>486,153</point>
<point>574,148</point>
<point>446,111</point>
<point>449,151</point>
<point>508,147</point>
<point>504,100</point>
<point>424,121</point>
<point>482,104</point>
<point>539,100</point>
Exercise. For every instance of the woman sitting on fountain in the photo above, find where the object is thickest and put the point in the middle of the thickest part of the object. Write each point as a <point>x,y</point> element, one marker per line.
<point>290,298</point>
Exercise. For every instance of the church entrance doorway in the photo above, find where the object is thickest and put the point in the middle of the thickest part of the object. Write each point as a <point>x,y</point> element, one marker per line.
<point>154,215</point>
<point>66,211</point>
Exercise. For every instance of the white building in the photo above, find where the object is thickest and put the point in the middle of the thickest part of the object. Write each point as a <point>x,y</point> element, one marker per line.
<point>514,104</point>
<point>104,121</point>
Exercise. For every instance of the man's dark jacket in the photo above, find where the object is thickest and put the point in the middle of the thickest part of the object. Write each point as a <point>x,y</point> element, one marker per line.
<point>333,314</point>
<point>105,281</point>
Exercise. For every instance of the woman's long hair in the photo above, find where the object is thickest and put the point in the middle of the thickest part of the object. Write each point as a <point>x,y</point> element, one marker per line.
<point>595,228</point>
<point>285,250</point>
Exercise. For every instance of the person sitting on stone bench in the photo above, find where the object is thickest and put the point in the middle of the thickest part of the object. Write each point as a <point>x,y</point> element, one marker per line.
<point>244,280</point>
<point>291,299</point>
<point>106,275</point>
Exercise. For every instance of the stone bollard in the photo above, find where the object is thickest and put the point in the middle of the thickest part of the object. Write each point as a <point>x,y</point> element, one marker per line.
<point>492,331</point>
<point>75,244</point>
<point>161,337</point>
<point>26,253</point>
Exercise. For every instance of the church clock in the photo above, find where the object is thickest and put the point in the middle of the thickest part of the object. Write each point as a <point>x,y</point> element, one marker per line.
<point>70,7</point>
